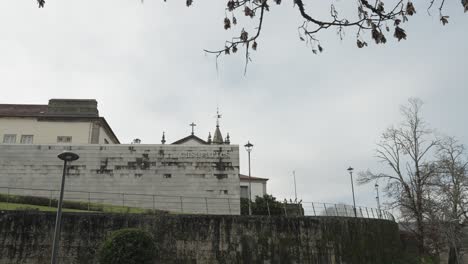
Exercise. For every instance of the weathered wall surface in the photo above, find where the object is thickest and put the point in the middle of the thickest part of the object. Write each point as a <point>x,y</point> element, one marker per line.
<point>26,238</point>
<point>167,177</point>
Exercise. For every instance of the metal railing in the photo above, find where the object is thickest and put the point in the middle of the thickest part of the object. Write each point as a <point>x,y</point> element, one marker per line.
<point>134,202</point>
<point>344,210</point>
<point>130,202</point>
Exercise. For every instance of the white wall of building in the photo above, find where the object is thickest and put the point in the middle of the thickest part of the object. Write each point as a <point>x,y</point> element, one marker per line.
<point>46,132</point>
<point>258,188</point>
<point>201,175</point>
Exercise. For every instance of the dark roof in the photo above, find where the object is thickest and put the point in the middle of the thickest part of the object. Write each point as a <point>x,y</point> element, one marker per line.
<point>185,139</point>
<point>246,177</point>
<point>16,110</point>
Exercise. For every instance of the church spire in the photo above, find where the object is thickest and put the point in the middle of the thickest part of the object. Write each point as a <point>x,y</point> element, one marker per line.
<point>209,137</point>
<point>218,137</point>
<point>163,140</point>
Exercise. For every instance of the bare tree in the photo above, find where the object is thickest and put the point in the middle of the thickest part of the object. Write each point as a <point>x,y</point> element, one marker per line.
<point>405,150</point>
<point>451,194</point>
<point>378,17</point>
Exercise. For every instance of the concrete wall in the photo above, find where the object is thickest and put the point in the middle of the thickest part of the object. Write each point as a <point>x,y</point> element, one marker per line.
<point>189,179</point>
<point>26,238</point>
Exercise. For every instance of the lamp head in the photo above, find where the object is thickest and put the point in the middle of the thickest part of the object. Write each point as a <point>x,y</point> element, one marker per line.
<point>248,146</point>
<point>68,156</point>
<point>350,169</point>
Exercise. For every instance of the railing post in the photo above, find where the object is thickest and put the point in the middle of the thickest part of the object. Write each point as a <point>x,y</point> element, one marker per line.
<point>89,200</point>
<point>229,205</point>
<point>325,206</point>
<point>50,198</point>
<point>8,195</point>
<point>268,207</point>
<point>154,204</point>
<point>181,204</point>
<point>284,206</point>
<point>367,211</point>
<point>206,204</point>
<point>360,209</point>
<point>313,208</point>
<point>123,200</point>
<point>372,210</point>
<point>336,210</point>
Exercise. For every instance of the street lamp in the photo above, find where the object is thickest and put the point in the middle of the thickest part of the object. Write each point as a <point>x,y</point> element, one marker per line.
<point>66,157</point>
<point>378,200</point>
<point>350,169</point>
<point>249,147</point>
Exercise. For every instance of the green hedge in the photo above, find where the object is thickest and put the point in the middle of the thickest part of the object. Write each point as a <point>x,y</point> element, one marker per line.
<point>128,246</point>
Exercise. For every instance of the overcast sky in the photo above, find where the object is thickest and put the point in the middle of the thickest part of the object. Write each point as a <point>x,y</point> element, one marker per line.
<point>316,114</point>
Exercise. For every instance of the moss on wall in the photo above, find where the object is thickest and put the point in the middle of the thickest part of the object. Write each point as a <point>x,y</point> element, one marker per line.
<point>26,237</point>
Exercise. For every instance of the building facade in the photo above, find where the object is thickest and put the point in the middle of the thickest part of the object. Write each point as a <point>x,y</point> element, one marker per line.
<point>259,186</point>
<point>190,175</point>
<point>61,121</point>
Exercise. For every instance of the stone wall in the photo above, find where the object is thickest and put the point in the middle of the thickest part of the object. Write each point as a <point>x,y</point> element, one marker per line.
<point>188,179</point>
<point>26,237</point>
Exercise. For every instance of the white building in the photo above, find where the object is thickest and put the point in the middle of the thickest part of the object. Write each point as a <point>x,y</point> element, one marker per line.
<point>259,187</point>
<point>62,121</point>
<point>190,175</point>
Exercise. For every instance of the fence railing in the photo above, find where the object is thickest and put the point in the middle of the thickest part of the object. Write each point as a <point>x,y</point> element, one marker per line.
<point>131,202</point>
<point>329,209</point>
<point>134,202</point>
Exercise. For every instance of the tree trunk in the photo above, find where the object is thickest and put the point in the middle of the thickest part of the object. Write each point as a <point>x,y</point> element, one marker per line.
<point>453,258</point>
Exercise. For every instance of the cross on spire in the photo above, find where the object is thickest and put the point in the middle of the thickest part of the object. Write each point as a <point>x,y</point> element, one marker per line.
<point>193,125</point>
<point>218,116</point>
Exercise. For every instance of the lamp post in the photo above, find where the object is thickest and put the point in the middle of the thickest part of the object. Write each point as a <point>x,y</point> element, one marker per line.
<point>350,169</point>
<point>66,157</point>
<point>249,147</point>
<point>378,200</point>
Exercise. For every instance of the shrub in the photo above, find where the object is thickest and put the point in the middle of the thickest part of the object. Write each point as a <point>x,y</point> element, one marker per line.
<point>128,246</point>
<point>261,205</point>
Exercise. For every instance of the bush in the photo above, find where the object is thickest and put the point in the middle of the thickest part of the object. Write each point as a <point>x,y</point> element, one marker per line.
<point>261,206</point>
<point>128,246</point>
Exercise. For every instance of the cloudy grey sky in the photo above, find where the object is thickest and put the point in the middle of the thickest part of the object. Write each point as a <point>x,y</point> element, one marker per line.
<point>314,114</point>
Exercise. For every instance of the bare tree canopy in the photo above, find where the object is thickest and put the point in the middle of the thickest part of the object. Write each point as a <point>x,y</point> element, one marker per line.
<point>405,149</point>
<point>450,195</point>
<point>427,181</point>
<point>381,18</point>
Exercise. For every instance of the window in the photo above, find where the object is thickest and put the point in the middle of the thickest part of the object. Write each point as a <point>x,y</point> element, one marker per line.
<point>27,139</point>
<point>64,139</point>
<point>9,139</point>
<point>244,192</point>
<point>167,176</point>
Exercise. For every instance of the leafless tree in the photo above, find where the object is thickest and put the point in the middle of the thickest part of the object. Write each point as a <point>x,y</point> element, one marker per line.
<point>451,194</point>
<point>378,17</point>
<point>405,149</point>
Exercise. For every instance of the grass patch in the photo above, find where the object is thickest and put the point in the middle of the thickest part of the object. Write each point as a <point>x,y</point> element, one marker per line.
<point>13,206</point>
<point>22,202</point>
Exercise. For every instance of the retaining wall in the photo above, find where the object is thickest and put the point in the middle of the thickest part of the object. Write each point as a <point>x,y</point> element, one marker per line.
<point>26,238</point>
